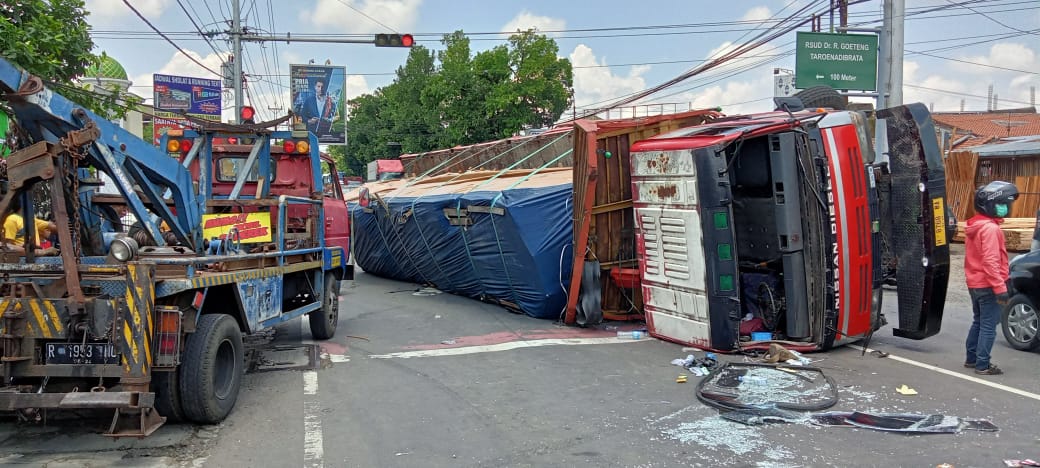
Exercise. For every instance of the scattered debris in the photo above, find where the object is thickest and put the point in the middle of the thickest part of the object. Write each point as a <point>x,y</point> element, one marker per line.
<point>448,342</point>
<point>698,366</point>
<point>880,354</point>
<point>779,353</point>
<point>681,379</point>
<point>1020,463</point>
<point>904,390</point>
<point>753,386</point>
<point>427,292</point>
<point>897,422</point>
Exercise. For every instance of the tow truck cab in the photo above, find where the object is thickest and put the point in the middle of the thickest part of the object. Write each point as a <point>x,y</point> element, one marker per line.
<point>784,223</point>
<point>291,172</point>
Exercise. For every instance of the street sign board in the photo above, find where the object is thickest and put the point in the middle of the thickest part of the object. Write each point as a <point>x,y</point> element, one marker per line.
<point>841,61</point>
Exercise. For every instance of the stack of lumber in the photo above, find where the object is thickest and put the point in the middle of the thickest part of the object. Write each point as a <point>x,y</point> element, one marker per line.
<point>1018,233</point>
<point>961,167</point>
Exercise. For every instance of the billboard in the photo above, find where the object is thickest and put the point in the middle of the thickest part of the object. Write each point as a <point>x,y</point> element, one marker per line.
<point>178,95</point>
<point>319,101</point>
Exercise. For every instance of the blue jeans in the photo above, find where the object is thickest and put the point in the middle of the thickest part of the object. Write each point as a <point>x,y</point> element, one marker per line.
<point>986,315</point>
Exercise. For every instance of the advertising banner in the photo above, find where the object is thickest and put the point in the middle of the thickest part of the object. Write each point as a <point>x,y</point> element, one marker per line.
<point>176,95</point>
<point>250,227</point>
<point>319,101</point>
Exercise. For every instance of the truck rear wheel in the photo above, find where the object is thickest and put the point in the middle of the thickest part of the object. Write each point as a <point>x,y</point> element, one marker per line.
<point>324,320</point>
<point>211,369</point>
<point>167,396</point>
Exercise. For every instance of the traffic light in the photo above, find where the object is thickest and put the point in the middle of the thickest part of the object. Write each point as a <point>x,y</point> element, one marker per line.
<point>394,40</point>
<point>247,115</point>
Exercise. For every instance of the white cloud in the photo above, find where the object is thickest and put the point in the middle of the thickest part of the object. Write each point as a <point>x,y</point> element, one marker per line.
<point>757,14</point>
<point>109,11</point>
<point>595,85</point>
<point>526,20</point>
<point>753,94</point>
<point>333,15</point>
<point>1002,54</point>
<point>356,86</point>
<point>952,82</point>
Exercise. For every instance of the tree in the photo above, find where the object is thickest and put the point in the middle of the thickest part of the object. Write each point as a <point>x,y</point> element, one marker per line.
<point>455,98</point>
<point>51,39</point>
<point>541,82</point>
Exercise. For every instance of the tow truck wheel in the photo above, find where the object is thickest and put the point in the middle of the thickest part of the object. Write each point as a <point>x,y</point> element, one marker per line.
<point>1019,323</point>
<point>324,320</point>
<point>167,396</point>
<point>211,369</point>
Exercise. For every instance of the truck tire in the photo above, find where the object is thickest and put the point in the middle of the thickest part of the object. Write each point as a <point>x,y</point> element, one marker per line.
<point>821,96</point>
<point>211,369</point>
<point>324,320</point>
<point>167,396</point>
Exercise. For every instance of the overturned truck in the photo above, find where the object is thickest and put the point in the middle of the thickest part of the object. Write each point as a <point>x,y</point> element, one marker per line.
<point>784,226</point>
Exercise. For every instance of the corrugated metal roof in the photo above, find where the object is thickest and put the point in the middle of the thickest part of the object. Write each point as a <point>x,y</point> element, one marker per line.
<point>1007,147</point>
<point>984,126</point>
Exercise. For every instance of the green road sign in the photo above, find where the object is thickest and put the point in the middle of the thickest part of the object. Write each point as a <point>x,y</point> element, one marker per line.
<point>841,61</point>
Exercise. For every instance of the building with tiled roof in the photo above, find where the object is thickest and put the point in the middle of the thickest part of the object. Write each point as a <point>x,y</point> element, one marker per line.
<point>962,130</point>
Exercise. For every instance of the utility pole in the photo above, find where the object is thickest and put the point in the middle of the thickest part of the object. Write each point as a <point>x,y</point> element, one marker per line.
<point>884,55</point>
<point>890,55</point>
<point>238,35</point>
<point>895,97</point>
<point>236,41</point>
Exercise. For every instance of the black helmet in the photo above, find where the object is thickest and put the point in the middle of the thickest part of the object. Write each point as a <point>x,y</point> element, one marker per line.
<point>992,194</point>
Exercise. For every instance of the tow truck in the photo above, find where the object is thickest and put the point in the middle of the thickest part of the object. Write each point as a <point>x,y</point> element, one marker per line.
<point>782,227</point>
<point>231,239</point>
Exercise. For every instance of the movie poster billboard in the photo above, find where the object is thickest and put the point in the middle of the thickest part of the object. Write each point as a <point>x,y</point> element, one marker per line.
<point>175,96</point>
<point>319,101</point>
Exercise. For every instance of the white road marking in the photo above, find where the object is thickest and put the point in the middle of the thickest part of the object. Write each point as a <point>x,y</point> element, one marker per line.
<point>313,451</point>
<point>501,347</point>
<point>958,375</point>
<point>310,383</point>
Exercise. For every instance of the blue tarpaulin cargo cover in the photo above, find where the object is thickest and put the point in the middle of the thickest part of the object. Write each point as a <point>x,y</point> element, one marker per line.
<point>505,238</point>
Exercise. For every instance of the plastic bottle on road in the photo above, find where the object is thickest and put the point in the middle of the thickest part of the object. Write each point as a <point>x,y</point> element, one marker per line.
<point>632,335</point>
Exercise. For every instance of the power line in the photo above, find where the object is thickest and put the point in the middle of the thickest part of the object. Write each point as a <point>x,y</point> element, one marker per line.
<point>956,93</point>
<point>174,44</point>
<point>366,16</point>
<point>973,63</point>
<point>199,29</point>
<point>992,19</point>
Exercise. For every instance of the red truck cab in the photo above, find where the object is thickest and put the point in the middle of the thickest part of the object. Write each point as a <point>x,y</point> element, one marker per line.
<point>784,224</point>
<point>292,174</point>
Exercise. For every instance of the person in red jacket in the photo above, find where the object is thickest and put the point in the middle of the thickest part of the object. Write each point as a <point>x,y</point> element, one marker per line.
<point>986,271</point>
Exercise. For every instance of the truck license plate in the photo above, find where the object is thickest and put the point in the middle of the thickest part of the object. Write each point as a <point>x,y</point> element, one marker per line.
<point>79,353</point>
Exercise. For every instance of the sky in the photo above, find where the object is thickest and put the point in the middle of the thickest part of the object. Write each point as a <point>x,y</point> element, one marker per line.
<point>955,49</point>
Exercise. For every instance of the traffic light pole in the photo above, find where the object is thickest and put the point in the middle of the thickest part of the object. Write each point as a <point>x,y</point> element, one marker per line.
<point>288,38</point>
<point>238,35</point>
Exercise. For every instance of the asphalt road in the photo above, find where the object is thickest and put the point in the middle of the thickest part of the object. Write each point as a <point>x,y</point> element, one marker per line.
<point>390,392</point>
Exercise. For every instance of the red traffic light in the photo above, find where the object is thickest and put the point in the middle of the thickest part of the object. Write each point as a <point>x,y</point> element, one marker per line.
<point>394,40</point>
<point>247,114</point>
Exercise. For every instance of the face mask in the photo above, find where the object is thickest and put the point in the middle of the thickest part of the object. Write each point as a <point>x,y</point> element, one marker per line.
<point>1002,210</point>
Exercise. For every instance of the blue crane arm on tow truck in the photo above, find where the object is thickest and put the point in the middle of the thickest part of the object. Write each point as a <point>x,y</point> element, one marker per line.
<point>131,162</point>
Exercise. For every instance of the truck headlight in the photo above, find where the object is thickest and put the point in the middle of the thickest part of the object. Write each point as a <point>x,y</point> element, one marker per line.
<point>124,248</point>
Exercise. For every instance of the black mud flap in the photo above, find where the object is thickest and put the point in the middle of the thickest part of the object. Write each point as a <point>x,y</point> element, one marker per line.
<point>917,212</point>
